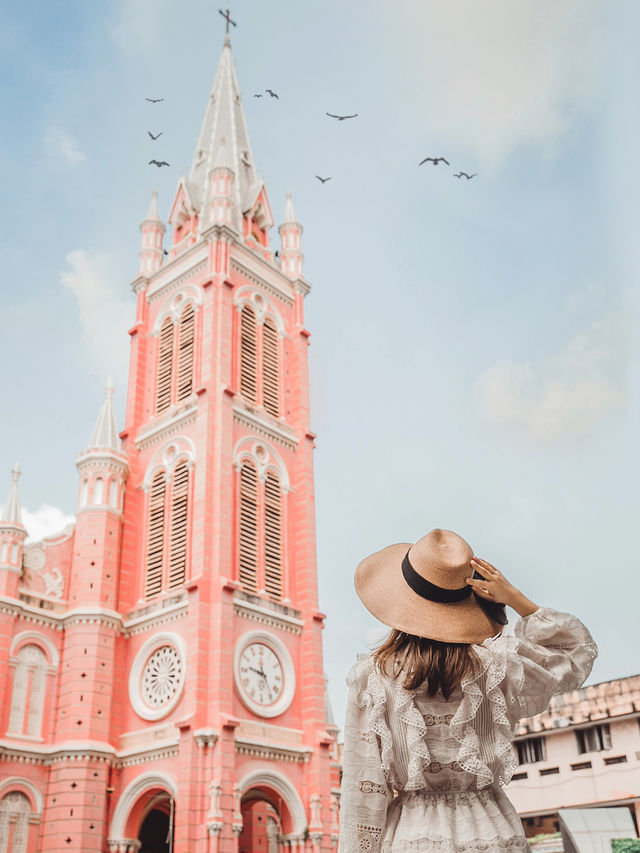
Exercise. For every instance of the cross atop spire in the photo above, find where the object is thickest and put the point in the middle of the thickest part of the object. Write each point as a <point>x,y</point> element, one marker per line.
<point>105,435</point>
<point>226,16</point>
<point>11,513</point>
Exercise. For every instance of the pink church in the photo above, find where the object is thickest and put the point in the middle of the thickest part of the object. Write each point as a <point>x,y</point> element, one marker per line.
<point>161,659</point>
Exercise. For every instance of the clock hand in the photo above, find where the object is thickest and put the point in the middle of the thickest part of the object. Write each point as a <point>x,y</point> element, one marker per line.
<point>266,681</point>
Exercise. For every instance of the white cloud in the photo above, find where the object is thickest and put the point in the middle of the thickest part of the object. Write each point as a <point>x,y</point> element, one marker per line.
<point>47,520</point>
<point>62,144</point>
<point>561,395</point>
<point>499,73</point>
<point>104,313</point>
<point>581,300</point>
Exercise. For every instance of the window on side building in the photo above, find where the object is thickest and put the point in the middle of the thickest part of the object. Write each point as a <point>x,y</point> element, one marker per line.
<point>530,750</point>
<point>594,739</point>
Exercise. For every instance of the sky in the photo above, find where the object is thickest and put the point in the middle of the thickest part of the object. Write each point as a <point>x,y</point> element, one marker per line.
<point>474,352</point>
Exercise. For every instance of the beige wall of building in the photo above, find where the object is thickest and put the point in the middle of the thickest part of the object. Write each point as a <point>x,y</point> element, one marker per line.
<point>583,752</point>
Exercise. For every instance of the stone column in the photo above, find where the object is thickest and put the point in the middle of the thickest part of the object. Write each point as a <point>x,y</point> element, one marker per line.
<point>238,823</point>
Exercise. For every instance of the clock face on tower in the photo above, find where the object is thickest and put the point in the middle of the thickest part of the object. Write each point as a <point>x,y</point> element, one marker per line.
<point>264,674</point>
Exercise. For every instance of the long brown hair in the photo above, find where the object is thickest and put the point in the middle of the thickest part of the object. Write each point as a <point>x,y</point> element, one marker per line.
<point>432,664</point>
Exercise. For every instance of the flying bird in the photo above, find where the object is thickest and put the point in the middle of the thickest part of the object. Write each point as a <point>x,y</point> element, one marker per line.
<point>465,175</point>
<point>434,160</point>
<point>257,96</point>
<point>157,135</point>
<point>272,93</point>
<point>322,180</point>
<point>342,118</point>
<point>154,100</point>
<point>158,163</point>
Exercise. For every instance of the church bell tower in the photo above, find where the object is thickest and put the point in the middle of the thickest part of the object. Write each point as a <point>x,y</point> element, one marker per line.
<point>221,717</point>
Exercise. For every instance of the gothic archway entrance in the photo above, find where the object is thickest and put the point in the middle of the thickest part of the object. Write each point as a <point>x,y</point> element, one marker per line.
<point>156,828</point>
<point>261,824</point>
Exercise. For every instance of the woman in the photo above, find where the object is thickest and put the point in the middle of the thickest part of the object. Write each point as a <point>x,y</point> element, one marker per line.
<point>431,713</point>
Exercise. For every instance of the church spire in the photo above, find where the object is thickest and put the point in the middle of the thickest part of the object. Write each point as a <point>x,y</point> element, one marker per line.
<point>224,124</point>
<point>11,512</point>
<point>105,435</point>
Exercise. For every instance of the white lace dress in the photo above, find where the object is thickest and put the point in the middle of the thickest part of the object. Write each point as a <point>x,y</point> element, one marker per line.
<point>426,774</point>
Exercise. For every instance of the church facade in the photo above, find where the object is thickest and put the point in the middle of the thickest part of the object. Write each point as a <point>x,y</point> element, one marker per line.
<point>161,659</point>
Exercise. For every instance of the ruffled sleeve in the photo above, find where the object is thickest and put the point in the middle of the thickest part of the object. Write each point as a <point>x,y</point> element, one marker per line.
<point>365,792</point>
<point>554,653</point>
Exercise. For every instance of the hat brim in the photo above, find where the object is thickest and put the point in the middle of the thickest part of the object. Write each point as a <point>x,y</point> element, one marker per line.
<point>381,587</point>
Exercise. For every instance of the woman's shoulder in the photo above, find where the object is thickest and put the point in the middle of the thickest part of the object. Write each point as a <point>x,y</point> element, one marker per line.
<point>361,670</point>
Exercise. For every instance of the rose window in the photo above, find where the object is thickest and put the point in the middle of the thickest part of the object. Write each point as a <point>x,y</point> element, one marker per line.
<point>162,676</point>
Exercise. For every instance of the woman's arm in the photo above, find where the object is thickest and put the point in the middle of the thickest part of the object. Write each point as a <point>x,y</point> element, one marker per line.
<point>554,651</point>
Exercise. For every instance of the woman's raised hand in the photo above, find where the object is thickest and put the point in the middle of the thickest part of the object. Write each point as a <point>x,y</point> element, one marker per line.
<point>495,587</point>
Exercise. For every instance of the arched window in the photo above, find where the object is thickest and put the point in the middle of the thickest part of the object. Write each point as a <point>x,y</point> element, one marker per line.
<point>84,492</point>
<point>248,527</point>
<point>113,493</point>
<point>186,336</point>
<point>98,491</point>
<point>260,532</point>
<point>273,536</point>
<point>248,354</point>
<point>3,552</point>
<point>27,697</point>
<point>155,536</point>
<point>14,822</point>
<point>165,364</point>
<point>178,530</point>
<point>270,368</point>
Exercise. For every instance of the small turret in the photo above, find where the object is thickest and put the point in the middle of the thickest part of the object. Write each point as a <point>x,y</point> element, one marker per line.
<point>103,472</point>
<point>291,236</point>
<point>102,466</point>
<point>152,229</point>
<point>12,536</point>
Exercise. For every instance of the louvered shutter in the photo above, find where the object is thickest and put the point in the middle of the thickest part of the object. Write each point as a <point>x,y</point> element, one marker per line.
<point>273,536</point>
<point>185,352</point>
<point>179,518</point>
<point>270,368</point>
<point>155,536</point>
<point>165,362</point>
<point>248,528</point>
<point>248,354</point>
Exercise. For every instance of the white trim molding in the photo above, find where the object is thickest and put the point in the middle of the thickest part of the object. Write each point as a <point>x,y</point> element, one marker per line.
<point>189,295</point>
<point>7,785</point>
<point>279,783</point>
<point>167,457</point>
<point>131,794</point>
<point>33,637</point>
<point>265,457</point>
<point>263,306</point>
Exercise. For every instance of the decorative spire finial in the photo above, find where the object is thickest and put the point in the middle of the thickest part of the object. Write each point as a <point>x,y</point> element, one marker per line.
<point>289,213</point>
<point>105,435</point>
<point>152,213</point>
<point>11,513</point>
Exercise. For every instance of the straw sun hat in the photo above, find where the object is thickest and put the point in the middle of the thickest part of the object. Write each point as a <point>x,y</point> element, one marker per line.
<point>420,589</point>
